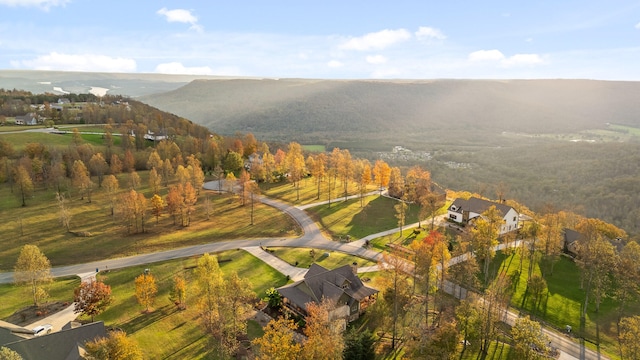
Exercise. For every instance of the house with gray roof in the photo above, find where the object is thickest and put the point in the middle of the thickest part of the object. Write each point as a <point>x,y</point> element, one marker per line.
<point>66,344</point>
<point>463,211</point>
<point>341,286</point>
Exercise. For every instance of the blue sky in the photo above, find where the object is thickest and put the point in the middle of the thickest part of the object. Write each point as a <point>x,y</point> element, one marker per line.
<point>327,39</point>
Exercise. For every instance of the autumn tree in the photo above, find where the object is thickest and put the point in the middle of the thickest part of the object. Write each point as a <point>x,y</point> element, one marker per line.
<point>117,346</point>
<point>381,173</point>
<point>178,293</point>
<point>401,214</point>
<point>146,290</point>
<point>157,206</point>
<point>132,208</point>
<point>195,171</point>
<point>627,278</point>
<point>134,180</point>
<point>528,339</point>
<point>551,240</point>
<point>115,165</point>
<point>8,354</point>
<point>129,162</point>
<point>81,180</point>
<point>345,170</point>
<point>155,181</point>
<point>469,322</point>
<point>167,171</point>
<point>33,269</point>
<point>91,298</point>
<point>154,161</point>
<point>65,213</point>
<point>485,236</point>
<point>243,180</point>
<point>175,202</point>
<point>597,259</point>
<point>537,286</point>
<point>98,166</point>
<point>418,188</point>
<point>317,167</point>
<point>223,305</point>
<point>254,193</point>
<point>324,334</point>
<point>278,341</point>
<point>495,302</point>
<point>396,293</point>
<point>111,187</point>
<point>628,337</point>
<point>190,198</point>
<point>24,183</point>
<point>363,177</point>
<point>396,183</point>
<point>296,167</point>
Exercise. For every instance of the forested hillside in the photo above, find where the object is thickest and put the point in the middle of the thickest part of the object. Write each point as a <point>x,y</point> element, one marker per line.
<point>311,110</point>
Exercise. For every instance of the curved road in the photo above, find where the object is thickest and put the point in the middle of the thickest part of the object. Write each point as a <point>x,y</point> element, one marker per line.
<point>312,237</point>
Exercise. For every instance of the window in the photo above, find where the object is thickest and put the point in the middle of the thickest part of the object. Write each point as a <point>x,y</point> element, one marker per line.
<point>514,218</point>
<point>453,216</point>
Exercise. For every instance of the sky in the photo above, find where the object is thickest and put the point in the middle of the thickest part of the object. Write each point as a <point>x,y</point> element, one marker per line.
<point>328,39</point>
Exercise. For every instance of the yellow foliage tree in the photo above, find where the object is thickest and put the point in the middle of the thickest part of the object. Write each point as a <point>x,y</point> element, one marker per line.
<point>146,290</point>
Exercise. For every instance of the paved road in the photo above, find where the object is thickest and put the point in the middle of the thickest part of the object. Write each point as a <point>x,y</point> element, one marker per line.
<point>312,237</point>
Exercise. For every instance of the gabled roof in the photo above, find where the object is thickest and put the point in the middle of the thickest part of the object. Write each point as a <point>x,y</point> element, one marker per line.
<point>477,205</point>
<point>64,344</point>
<point>319,283</point>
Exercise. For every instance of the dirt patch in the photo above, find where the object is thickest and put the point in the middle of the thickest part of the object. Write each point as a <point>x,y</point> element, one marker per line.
<point>33,313</point>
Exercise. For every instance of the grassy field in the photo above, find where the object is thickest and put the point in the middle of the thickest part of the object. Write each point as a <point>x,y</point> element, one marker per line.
<point>38,224</point>
<point>562,303</point>
<point>179,332</point>
<point>308,191</point>
<point>301,257</point>
<point>348,218</point>
<point>314,148</point>
<point>15,297</point>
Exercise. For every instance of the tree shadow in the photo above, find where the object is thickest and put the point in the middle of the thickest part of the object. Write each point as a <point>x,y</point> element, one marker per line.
<point>143,319</point>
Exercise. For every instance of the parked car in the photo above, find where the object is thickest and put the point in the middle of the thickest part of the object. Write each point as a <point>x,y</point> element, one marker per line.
<point>42,329</point>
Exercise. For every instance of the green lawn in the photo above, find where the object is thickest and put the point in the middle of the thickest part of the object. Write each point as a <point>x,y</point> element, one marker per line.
<point>562,304</point>
<point>179,332</point>
<point>286,192</point>
<point>301,257</point>
<point>348,218</point>
<point>15,297</point>
<point>314,148</point>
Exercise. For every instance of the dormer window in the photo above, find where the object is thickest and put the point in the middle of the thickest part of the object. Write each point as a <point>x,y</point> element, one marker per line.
<point>345,285</point>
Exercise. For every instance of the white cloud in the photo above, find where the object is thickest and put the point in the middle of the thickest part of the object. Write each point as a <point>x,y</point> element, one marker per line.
<point>334,64</point>
<point>637,26</point>
<point>523,60</point>
<point>177,68</point>
<point>377,40</point>
<point>429,33</point>
<point>180,16</point>
<point>512,61</point>
<point>486,55</point>
<point>376,59</point>
<point>79,62</point>
<point>42,4</point>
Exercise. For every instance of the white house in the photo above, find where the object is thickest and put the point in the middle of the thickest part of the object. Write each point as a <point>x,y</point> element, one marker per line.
<point>462,211</point>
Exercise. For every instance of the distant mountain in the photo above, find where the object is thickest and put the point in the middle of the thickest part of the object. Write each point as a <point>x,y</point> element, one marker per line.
<point>61,82</point>
<point>440,110</point>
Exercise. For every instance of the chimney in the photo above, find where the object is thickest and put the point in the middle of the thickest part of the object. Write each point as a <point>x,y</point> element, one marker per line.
<point>354,268</point>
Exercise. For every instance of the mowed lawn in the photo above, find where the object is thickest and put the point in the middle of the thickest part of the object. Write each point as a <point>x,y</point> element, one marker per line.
<point>178,331</point>
<point>38,224</point>
<point>562,303</point>
<point>308,191</point>
<point>344,218</point>
<point>329,259</point>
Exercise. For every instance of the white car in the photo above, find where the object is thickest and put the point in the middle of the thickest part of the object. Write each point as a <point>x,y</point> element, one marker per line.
<point>42,329</point>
